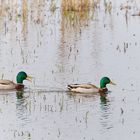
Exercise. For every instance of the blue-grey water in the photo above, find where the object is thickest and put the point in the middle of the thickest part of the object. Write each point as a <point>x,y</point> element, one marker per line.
<point>59,49</point>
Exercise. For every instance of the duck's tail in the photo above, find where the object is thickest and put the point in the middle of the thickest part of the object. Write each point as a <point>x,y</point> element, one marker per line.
<point>69,87</point>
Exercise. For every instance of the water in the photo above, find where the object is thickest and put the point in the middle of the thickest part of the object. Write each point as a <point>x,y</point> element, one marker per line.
<point>58,50</point>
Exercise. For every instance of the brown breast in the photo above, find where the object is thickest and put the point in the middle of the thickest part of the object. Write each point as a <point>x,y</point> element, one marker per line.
<point>19,86</point>
<point>103,90</point>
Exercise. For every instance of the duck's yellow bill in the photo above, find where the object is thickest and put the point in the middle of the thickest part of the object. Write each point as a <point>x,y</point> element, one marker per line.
<point>112,83</point>
<point>29,78</point>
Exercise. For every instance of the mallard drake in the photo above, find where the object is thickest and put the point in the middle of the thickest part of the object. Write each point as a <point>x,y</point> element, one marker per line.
<point>90,88</point>
<point>7,84</point>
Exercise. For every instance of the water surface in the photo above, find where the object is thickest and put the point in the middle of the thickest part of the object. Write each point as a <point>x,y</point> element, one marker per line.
<point>58,49</point>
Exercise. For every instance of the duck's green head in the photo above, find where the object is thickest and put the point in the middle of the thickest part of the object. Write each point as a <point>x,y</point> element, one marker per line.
<point>21,76</point>
<point>104,81</point>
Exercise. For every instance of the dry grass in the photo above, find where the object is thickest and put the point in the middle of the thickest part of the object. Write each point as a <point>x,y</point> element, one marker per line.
<point>77,12</point>
<point>78,5</point>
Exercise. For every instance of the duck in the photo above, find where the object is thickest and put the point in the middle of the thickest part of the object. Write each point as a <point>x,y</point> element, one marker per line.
<point>90,88</point>
<point>10,85</point>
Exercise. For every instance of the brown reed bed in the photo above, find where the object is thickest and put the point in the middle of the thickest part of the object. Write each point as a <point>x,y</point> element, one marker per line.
<point>78,12</point>
<point>14,9</point>
<point>78,5</point>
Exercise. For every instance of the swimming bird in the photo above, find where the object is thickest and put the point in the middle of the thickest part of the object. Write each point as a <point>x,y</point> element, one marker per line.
<point>9,85</point>
<point>90,88</point>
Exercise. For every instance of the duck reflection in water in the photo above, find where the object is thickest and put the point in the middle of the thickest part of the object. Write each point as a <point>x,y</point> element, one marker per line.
<point>19,94</point>
<point>103,98</point>
<point>106,114</point>
<point>22,108</point>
